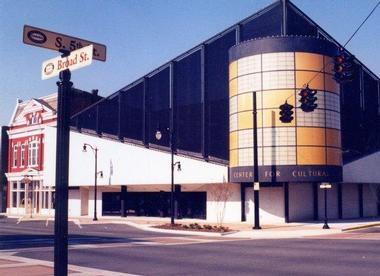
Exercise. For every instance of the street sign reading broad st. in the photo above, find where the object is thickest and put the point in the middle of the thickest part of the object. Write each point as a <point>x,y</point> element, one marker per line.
<point>56,41</point>
<point>77,59</point>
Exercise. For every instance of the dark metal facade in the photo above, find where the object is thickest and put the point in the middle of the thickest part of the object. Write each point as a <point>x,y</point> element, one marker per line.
<point>190,93</point>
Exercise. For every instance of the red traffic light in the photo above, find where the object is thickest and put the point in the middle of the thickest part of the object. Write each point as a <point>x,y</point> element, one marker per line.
<point>343,67</point>
<point>339,59</point>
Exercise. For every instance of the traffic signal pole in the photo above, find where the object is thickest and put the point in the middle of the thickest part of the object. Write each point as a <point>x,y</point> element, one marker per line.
<point>62,174</point>
<point>256,185</point>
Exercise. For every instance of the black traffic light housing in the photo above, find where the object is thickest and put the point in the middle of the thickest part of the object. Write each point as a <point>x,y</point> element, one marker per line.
<point>308,99</point>
<point>286,112</point>
<point>343,67</point>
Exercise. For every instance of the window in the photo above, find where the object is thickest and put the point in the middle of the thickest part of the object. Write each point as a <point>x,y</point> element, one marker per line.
<point>233,122</point>
<point>15,149</point>
<point>32,154</point>
<point>245,157</point>
<point>45,199</point>
<point>249,83</point>
<point>279,155</point>
<point>52,200</point>
<point>278,80</point>
<point>278,61</point>
<point>34,119</point>
<point>22,155</point>
<point>249,65</point>
<point>22,199</point>
<point>14,199</point>
<point>18,195</point>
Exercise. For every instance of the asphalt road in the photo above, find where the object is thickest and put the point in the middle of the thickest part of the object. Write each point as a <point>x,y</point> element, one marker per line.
<point>124,249</point>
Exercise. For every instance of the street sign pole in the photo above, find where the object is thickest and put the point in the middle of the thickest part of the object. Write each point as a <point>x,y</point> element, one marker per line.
<point>62,173</point>
<point>75,56</point>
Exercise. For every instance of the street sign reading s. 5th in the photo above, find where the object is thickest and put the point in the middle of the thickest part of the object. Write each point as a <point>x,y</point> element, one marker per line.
<point>77,59</point>
<point>56,41</point>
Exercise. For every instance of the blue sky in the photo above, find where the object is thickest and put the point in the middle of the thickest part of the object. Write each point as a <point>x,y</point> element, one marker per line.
<point>143,34</point>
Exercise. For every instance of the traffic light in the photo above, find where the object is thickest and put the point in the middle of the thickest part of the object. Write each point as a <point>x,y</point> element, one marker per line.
<point>286,112</point>
<point>343,67</point>
<point>308,99</point>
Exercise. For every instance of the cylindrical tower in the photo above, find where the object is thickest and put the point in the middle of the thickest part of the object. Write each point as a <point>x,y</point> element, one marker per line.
<point>276,69</point>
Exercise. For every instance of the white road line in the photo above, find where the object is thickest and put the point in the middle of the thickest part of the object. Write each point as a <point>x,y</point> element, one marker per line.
<point>78,270</point>
<point>77,222</point>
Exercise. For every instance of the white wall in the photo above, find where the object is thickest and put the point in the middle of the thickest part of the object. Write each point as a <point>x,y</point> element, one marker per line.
<point>131,164</point>
<point>47,212</point>
<point>301,205</point>
<point>271,205</point>
<point>91,200</point>
<point>232,211</point>
<point>16,211</point>
<point>84,194</point>
<point>74,203</point>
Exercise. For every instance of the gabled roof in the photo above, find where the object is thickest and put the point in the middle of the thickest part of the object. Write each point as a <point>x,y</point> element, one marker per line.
<point>46,103</point>
<point>26,174</point>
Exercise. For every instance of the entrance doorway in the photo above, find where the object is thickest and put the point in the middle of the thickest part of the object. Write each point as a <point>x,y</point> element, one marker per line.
<point>155,204</point>
<point>32,198</point>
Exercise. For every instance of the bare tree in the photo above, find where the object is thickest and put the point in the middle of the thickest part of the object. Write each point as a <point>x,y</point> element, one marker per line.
<point>221,193</point>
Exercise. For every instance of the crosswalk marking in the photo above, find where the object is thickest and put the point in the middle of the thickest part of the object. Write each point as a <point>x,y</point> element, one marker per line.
<point>73,269</point>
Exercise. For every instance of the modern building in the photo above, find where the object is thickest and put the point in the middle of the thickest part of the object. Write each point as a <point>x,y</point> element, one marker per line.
<point>217,110</point>
<point>23,148</point>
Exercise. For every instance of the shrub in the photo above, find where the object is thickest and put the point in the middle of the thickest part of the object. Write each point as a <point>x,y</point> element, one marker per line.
<point>207,227</point>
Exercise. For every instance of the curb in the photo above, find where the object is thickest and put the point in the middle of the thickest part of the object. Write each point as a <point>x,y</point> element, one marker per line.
<point>151,228</point>
<point>360,227</point>
<point>192,233</point>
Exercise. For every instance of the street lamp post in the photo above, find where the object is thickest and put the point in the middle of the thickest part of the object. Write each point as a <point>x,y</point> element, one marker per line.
<point>325,186</point>
<point>178,164</point>
<point>95,150</point>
